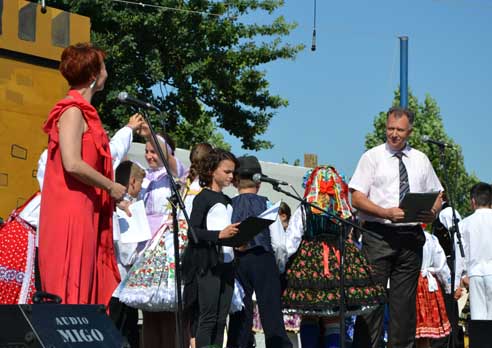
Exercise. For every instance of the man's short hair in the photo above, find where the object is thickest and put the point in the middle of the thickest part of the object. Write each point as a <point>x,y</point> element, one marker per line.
<point>398,112</point>
<point>481,193</point>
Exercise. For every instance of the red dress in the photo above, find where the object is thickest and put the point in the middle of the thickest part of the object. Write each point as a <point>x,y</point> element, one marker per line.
<point>76,255</point>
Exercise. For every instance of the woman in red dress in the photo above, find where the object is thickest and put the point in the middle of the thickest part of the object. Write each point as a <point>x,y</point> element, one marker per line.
<point>76,257</point>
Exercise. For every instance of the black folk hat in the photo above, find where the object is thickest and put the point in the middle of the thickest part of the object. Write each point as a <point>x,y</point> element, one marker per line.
<point>248,166</point>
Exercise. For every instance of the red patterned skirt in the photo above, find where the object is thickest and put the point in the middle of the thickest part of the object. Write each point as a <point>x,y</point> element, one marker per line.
<point>432,320</point>
<point>17,253</point>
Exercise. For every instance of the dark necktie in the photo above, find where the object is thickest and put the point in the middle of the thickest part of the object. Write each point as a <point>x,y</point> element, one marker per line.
<point>404,186</point>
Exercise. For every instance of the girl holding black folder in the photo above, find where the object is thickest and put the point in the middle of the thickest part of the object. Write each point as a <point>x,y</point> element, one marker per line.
<point>207,265</point>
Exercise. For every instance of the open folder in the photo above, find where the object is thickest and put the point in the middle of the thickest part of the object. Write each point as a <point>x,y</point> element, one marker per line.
<point>413,203</point>
<point>251,226</point>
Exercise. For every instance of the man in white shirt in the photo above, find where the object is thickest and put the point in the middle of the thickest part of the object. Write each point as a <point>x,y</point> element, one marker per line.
<point>477,242</point>
<point>383,176</point>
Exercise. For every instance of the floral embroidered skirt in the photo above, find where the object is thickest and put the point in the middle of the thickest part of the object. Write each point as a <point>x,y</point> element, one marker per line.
<point>150,283</point>
<point>432,320</point>
<point>313,279</point>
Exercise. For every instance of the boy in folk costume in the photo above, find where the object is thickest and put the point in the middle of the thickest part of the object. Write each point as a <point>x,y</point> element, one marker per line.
<point>477,242</point>
<point>257,269</point>
<point>313,271</point>
<point>125,318</point>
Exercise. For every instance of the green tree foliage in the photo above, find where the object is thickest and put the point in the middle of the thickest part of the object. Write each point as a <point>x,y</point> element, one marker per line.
<point>207,66</point>
<point>428,121</point>
<point>202,131</point>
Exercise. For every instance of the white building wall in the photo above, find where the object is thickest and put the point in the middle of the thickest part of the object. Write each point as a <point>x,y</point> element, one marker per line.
<point>291,174</point>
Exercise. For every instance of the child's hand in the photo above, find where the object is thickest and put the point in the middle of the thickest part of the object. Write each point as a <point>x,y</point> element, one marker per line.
<point>242,248</point>
<point>135,122</point>
<point>125,206</point>
<point>144,131</point>
<point>229,231</point>
<point>465,282</point>
<point>458,293</point>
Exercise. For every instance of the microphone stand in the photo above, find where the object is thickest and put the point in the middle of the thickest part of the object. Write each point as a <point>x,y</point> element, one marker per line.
<point>176,202</point>
<point>344,224</point>
<point>453,231</point>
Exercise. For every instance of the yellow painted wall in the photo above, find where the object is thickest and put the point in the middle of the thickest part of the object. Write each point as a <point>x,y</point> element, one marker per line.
<point>28,91</point>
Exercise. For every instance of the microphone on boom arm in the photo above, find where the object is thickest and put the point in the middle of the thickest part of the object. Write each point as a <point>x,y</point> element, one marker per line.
<point>258,177</point>
<point>125,98</point>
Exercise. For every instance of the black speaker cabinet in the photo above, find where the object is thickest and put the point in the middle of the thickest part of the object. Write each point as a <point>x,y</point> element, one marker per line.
<point>480,333</point>
<point>55,325</point>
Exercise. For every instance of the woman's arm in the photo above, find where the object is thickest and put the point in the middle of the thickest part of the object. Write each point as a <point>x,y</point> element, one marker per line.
<point>71,128</point>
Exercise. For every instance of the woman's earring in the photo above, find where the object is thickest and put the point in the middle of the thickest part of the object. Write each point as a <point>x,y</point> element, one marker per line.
<point>91,86</point>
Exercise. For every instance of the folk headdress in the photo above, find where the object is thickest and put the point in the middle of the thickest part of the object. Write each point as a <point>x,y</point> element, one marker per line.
<point>325,188</point>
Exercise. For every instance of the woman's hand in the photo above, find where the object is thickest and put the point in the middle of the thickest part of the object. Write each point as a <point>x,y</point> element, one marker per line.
<point>229,231</point>
<point>117,191</point>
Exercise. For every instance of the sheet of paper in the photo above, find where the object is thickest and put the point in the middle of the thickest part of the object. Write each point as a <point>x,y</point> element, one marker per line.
<point>136,228</point>
<point>271,213</point>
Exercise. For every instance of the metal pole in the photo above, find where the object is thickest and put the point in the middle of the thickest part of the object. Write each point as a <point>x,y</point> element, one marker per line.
<point>404,71</point>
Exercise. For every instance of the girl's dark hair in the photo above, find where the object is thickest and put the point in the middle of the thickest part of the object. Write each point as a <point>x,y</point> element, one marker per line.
<point>207,165</point>
<point>197,153</point>
<point>284,209</point>
<point>170,141</point>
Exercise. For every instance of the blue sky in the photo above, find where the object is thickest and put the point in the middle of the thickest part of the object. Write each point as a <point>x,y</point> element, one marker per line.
<point>335,92</point>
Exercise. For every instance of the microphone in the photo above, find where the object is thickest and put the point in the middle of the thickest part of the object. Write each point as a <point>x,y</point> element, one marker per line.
<point>258,177</point>
<point>43,6</point>
<point>313,41</point>
<point>124,98</point>
<point>427,139</point>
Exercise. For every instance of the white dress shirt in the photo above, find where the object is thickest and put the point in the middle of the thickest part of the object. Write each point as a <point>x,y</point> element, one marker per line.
<point>476,230</point>
<point>378,177</point>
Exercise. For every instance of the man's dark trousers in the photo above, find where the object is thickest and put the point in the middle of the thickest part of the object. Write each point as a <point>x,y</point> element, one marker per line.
<point>395,253</point>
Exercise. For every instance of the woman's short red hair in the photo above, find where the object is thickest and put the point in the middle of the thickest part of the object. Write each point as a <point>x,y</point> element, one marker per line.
<point>81,62</point>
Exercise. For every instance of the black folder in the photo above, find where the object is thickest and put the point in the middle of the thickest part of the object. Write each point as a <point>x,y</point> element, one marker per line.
<point>413,203</point>
<point>248,229</point>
